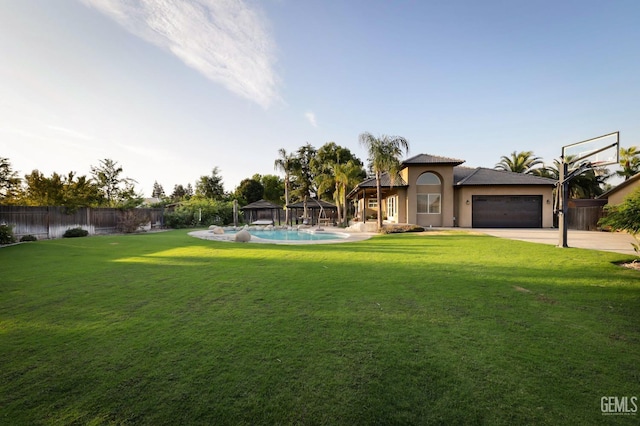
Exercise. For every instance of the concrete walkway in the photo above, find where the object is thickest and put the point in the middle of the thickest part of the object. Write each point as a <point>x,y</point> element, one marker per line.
<point>606,241</point>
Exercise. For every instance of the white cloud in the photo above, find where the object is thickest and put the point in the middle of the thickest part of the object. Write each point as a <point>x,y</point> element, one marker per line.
<point>312,118</point>
<point>70,133</point>
<point>225,40</point>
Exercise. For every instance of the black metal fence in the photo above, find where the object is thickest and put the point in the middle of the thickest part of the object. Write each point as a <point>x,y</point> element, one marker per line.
<point>53,222</point>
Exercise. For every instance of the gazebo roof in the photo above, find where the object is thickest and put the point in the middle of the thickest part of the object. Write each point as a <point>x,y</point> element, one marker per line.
<point>261,205</point>
<point>312,203</point>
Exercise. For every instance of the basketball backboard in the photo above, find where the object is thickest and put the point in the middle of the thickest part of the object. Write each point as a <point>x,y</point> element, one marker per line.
<point>601,151</point>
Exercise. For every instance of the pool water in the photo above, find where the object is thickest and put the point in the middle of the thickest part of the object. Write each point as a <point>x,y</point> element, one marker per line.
<point>284,235</point>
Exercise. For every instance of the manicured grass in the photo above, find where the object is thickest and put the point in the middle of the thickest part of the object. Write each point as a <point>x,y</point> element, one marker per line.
<point>400,329</point>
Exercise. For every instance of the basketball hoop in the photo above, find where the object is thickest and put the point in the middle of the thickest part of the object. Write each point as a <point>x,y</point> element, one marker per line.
<point>593,154</point>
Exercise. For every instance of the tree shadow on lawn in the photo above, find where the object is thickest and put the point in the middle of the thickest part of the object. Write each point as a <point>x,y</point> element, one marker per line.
<point>410,358</point>
<point>414,329</point>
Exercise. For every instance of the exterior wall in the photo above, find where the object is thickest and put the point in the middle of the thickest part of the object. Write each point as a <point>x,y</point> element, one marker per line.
<point>617,197</point>
<point>401,194</point>
<point>463,210</point>
<point>402,205</point>
<point>363,203</point>
<point>363,210</point>
<point>445,173</point>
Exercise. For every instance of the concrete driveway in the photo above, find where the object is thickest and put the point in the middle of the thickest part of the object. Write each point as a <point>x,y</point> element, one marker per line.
<point>606,241</point>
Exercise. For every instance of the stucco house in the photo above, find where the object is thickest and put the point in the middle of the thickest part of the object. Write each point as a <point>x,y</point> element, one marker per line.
<point>438,191</point>
<point>617,194</point>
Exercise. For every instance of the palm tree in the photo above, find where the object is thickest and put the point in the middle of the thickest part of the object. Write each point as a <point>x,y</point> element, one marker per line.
<point>347,176</point>
<point>384,156</point>
<point>339,178</point>
<point>286,164</point>
<point>518,162</point>
<point>587,184</point>
<point>629,161</point>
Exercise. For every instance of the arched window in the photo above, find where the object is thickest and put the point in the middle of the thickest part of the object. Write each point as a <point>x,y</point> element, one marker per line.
<point>428,179</point>
<point>429,193</point>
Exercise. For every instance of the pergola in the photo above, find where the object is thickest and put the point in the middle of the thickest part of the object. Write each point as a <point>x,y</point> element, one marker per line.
<point>320,211</point>
<point>262,212</point>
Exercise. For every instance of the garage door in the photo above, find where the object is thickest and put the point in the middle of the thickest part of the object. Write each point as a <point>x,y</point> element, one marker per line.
<point>506,211</point>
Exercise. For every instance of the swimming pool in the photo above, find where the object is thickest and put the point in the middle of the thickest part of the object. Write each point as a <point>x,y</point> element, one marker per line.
<point>293,235</point>
<point>283,236</point>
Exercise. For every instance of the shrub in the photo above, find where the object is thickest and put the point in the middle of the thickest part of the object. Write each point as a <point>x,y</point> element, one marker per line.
<point>75,232</point>
<point>200,212</point>
<point>397,229</point>
<point>625,217</point>
<point>131,220</point>
<point>6,234</point>
<point>29,237</point>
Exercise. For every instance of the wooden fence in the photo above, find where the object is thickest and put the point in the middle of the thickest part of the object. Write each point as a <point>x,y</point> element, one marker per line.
<point>583,214</point>
<point>584,218</point>
<point>52,222</point>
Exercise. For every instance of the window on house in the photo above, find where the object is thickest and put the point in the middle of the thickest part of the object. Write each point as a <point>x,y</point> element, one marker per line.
<point>372,203</point>
<point>428,179</point>
<point>429,203</point>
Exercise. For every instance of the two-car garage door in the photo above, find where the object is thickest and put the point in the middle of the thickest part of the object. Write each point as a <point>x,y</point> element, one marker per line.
<point>506,211</point>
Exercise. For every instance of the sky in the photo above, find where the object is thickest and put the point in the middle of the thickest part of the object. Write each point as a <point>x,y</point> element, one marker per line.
<point>171,89</point>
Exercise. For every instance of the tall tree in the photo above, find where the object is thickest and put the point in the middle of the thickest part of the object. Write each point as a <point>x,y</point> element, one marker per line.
<point>43,191</point>
<point>181,192</point>
<point>347,177</point>
<point>117,190</point>
<point>273,188</point>
<point>340,178</point>
<point>285,163</point>
<point>81,192</point>
<point>250,190</point>
<point>210,186</point>
<point>518,162</point>
<point>384,153</point>
<point>158,190</point>
<point>324,160</point>
<point>303,173</point>
<point>57,190</point>
<point>9,182</point>
<point>629,162</point>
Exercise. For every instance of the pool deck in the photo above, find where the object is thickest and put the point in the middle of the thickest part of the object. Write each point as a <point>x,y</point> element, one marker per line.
<point>348,237</point>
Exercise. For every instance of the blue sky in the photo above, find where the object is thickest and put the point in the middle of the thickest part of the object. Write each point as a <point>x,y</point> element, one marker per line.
<point>172,89</point>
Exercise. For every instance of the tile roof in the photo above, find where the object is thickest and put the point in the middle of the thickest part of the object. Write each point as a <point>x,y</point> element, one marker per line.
<point>385,181</point>
<point>461,172</point>
<point>431,159</point>
<point>261,204</point>
<point>484,176</point>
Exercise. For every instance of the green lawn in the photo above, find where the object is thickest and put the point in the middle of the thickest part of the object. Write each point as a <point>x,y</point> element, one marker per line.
<point>400,329</point>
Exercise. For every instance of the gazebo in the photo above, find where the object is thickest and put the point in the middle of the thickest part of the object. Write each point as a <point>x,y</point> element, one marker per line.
<point>322,212</point>
<point>262,212</point>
